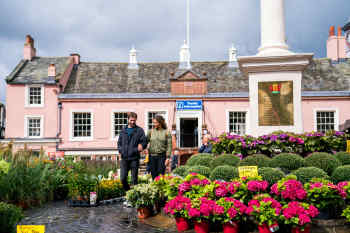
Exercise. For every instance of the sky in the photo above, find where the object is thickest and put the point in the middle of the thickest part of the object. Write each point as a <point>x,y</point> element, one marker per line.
<point>105,30</point>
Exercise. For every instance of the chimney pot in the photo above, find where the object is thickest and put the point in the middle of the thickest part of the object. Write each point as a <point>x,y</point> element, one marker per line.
<point>52,70</point>
<point>331,31</point>
<point>29,51</point>
<point>76,58</point>
<point>339,31</point>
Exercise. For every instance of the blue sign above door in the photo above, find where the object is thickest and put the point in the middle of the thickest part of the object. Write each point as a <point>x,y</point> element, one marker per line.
<point>182,105</point>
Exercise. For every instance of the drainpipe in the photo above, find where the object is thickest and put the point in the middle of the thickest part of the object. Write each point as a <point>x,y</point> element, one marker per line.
<point>59,105</point>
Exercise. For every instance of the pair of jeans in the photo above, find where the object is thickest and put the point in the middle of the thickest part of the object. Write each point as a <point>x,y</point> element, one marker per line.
<point>125,167</point>
<point>157,164</point>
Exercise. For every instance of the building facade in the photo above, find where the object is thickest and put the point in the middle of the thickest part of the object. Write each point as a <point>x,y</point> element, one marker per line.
<point>79,107</point>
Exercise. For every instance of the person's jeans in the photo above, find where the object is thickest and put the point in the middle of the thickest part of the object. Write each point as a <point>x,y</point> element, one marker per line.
<point>125,167</point>
<point>157,164</point>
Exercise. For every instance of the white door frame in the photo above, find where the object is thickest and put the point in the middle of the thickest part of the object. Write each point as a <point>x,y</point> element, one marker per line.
<point>189,114</point>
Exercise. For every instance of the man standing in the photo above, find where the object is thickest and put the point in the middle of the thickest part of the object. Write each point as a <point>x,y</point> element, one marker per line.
<point>131,142</point>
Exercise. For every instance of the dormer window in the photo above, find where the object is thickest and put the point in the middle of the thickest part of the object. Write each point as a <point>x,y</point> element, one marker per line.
<point>35,96</point>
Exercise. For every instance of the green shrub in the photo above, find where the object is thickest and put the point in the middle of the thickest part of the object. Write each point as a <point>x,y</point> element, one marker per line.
<point>225,172</point>
<point>192,161</point>
<point>343,157</point>
<point>202,170</point>
<point>325,161</point>
<point>341,173</point>
<point>225,159</point>
<point>259,160</point>
<point>271,175</point>
<point>10,215</point>
<point>305,174</point>
<point>181,171</point>
<point>287,162</point>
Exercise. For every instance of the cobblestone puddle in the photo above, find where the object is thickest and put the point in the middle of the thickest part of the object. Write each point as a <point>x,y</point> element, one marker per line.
<point>114,218</point>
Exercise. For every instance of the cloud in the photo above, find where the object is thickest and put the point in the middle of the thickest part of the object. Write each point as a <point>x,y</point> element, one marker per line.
<point>106,30</point>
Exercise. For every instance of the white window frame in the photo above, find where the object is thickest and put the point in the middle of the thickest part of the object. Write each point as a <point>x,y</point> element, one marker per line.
<point>26,122</point>
<point>336,116</point>
<point>27,98</point>
<point>113,137</point>
<point>247,119</point>
<point>166,118</point>
<point>71,133</point>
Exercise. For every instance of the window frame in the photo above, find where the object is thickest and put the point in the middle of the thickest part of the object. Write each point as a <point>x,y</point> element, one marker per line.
<point>26,125</point>
<point>71,130</point>
<point>27,97</point>
<point>166,117</point>
<point>336,117</point>
<point>228,111</point>
<point>113,136</point>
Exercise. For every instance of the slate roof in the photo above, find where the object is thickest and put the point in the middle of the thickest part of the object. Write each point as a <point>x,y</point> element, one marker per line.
<point>115,79</point>
<point>36,70</point>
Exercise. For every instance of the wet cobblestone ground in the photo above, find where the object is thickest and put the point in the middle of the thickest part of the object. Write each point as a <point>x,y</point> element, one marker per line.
<point>114,218</point>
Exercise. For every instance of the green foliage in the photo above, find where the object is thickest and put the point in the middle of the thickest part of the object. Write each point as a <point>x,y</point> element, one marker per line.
<point>202,159</point>
<point>10,215</point>
<point>346,213</point>
<point>341,173</point>
<point>325,161</point>
<point>181,171</point>
<point>287,162</point>
<point>4,167</point>
<point>259,160</point>
<point>109,189</point>
<point>202,170</point>
<point>271,175</point>
<point>142,195</point>
<point>305,174</point>
<point>225,172</point>
<point>225,159</point>
<point>343,157</point>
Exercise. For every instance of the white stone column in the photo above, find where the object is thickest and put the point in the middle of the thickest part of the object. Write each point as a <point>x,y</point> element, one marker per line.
<point>273,41</point>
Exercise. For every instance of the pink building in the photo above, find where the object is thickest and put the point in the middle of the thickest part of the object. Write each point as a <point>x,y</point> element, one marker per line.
<point>79,107</point>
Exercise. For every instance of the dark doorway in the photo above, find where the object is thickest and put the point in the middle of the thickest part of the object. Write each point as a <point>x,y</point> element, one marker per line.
<point>188,132</point>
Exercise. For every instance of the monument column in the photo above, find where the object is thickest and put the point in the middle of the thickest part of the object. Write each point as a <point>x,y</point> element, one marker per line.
<point>273,41</point>
<point>275,75</point>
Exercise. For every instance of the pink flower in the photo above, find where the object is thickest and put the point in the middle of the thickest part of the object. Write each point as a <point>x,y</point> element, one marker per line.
<point>313,211</point>
<point>194,213</point>
<point>195,181</point>
<point>205,182</point>
<point>205,209</point>
<point>249,210</point>
<point>274,189</point>
<point>316,185</point>
<point>303,219</point>
<point>232,212</point>
<point>221,191</point>
<point>257,186</point>
<point>218,209</point>
<point>185,186</point>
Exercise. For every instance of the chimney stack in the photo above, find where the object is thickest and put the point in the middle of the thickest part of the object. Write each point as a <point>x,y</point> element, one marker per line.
<point>76,58</point>
<point>52,70</point>
<point>336,44</point>
<point>29,51</point>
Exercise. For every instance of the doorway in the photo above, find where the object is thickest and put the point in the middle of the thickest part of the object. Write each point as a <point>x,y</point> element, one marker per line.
<point>188,132</point>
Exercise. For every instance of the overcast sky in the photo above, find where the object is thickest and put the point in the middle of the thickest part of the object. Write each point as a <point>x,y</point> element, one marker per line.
<point>105,30</point>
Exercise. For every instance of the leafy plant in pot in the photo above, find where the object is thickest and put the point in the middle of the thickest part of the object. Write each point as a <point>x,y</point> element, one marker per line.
<point>143,197</point>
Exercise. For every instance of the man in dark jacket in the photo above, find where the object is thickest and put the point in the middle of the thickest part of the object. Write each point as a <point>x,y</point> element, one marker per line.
<point>131,142</point>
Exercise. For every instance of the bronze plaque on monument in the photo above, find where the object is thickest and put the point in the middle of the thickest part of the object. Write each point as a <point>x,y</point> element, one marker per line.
<point>276,103</point>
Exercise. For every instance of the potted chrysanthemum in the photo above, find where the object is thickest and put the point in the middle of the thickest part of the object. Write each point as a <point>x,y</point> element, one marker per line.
<point>289,189</point>
<point>298,215</point>
<point>200,212</point>
<point>229,212</point>
<point>266,212</point>
<point>178,208</point>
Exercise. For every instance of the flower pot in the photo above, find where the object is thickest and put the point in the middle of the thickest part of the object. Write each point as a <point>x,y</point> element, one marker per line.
<point>201,227</point>
<point>181,224</point>
<point>143,212</point>
<point>298,230</point>
<point>231,227</point>
<point>264,228</point>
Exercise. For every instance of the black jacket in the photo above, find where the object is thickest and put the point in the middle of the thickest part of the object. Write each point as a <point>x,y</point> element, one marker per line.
<point>127,147</point>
